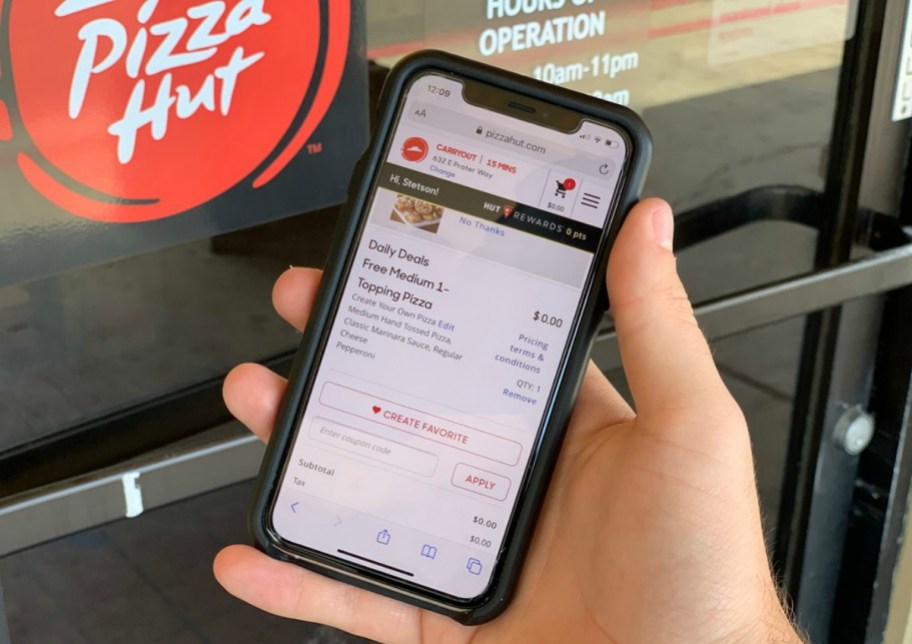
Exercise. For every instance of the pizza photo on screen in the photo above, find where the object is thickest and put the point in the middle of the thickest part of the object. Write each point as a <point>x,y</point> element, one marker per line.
<point>417,212</point>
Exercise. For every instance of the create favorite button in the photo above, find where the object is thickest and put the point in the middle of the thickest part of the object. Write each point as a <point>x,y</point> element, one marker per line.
<point>481,481</point>
<point>420,423</point>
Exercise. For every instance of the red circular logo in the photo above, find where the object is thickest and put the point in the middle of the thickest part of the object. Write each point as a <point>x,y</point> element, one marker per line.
<point>137,110</point>
<point>414,149</point>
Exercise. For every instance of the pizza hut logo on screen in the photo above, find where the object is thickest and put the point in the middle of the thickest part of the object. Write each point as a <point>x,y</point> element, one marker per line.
<point>135,110</point>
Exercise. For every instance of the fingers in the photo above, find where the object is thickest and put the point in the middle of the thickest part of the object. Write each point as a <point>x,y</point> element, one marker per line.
<point>666,358</point>
<point>253,394</point>
<point>293,294</point>
<point>290,591</point>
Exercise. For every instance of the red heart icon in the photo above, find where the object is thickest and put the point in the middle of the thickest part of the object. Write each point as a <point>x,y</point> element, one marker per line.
<point>375,409</point>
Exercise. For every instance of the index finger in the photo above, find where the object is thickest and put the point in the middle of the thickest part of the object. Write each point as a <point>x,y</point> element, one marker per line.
<point>293,294</point>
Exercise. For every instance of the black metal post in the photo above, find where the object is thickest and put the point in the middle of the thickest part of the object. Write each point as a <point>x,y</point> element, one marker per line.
<point>817,482</point>
<point>882,489</point>
<point>881,497</point>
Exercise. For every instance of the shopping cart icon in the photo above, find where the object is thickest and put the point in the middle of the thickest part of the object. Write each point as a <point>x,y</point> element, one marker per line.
<point>563,186</point>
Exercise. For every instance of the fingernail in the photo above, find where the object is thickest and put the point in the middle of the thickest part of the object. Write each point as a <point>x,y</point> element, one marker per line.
<point>663,228</point>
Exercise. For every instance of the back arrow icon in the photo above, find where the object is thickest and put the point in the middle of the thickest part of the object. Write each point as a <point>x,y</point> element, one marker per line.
<point>293,506</point>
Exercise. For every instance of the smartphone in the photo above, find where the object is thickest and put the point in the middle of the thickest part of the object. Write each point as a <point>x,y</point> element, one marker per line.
<point>442,359</point>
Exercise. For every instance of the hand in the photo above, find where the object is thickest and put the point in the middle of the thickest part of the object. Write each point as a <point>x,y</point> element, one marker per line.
<point>651,529</point>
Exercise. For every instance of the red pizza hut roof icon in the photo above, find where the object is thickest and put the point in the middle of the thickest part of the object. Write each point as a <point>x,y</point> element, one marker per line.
<point>134,110</point>
<point>414,149</point>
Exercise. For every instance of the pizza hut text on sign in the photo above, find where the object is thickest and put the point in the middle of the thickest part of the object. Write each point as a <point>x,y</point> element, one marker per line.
<point>135,110</point>
<point>153,65</point>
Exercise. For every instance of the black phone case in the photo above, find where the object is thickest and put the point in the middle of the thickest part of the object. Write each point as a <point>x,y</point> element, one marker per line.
<point>569,377</point>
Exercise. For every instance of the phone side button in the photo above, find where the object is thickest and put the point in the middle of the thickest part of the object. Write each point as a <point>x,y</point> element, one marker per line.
<point>480,481</point>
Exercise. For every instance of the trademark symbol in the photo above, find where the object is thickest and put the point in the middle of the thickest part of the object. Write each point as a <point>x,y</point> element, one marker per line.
<point>314,148</point>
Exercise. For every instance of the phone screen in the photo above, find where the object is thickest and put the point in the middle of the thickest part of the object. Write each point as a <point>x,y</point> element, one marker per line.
<point>444,348</point>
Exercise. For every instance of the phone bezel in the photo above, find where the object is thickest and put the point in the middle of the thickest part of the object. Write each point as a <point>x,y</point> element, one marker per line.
<point>497,100</point>
<point>505,87</point>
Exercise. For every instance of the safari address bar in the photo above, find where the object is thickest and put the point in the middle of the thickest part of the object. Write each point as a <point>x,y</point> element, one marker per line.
<point>496,136</point>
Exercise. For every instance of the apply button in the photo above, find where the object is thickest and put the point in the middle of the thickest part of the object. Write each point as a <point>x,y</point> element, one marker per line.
<point>480,481</point>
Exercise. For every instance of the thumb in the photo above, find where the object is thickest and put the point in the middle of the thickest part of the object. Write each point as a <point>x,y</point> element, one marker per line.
<point>666,358</point>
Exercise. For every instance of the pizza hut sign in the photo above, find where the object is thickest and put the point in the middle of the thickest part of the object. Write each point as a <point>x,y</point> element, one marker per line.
<point>126,111</point>
<point>148,67</point>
